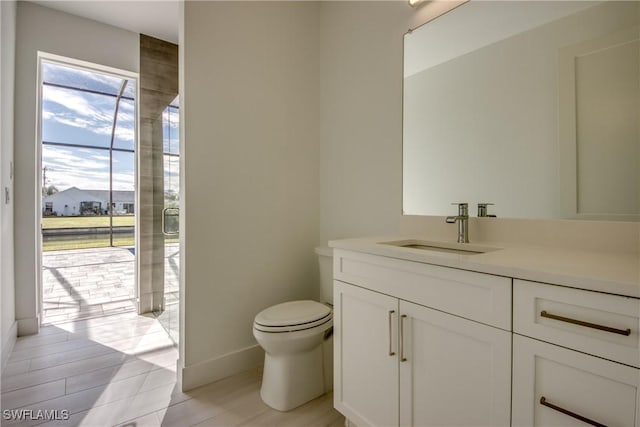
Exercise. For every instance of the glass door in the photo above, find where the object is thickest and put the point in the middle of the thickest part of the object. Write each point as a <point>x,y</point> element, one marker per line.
<point>171,152</point>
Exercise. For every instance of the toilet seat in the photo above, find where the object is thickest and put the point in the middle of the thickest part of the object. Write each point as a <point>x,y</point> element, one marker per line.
<point>292,316</point>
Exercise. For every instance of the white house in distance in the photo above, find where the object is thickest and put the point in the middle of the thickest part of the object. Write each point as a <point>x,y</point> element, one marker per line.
<point>74,201</point>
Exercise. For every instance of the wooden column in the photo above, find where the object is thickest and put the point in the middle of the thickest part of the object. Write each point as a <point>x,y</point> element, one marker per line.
<point>158,87</point>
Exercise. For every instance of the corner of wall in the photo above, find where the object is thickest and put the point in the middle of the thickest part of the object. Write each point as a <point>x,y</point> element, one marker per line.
<point>28,326</point>
<point>220,367</point>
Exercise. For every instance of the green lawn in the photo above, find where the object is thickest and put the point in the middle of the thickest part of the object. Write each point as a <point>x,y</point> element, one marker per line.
<point>86,221</point>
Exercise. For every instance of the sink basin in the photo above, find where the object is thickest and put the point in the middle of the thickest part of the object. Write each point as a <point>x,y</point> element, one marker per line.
<point>452,248</point>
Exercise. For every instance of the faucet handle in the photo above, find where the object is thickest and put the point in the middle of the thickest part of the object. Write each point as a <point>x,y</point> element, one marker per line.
<point>463,208</point>
<point>483,211</point>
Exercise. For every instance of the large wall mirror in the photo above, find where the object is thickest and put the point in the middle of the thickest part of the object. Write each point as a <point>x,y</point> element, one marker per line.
<point>531,105</point>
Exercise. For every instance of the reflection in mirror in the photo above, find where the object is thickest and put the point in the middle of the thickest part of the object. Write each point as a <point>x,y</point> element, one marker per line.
<point>533,106</point>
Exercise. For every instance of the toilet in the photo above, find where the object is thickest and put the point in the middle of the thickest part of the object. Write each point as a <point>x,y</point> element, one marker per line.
<point>296,338</point>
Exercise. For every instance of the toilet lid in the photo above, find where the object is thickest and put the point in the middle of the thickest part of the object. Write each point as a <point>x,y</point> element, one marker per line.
<point>293,313</point>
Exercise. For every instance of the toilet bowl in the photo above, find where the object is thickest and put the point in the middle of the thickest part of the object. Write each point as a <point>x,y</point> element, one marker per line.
<point>291,335</point>
<point>296,338</point>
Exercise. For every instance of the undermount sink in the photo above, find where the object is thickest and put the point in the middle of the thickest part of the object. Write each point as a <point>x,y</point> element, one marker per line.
<point>452,248</point>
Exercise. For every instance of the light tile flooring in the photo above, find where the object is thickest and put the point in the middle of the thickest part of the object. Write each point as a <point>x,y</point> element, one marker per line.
<point>83,283</point>
<point>119,370</point>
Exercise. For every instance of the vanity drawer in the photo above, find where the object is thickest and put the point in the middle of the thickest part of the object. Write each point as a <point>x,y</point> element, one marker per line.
<point>476,296</point>
<point>554,386</point>
<point>600,324</point>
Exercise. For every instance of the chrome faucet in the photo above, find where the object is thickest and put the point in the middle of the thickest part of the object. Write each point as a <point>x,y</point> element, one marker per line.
<point>463,222</point>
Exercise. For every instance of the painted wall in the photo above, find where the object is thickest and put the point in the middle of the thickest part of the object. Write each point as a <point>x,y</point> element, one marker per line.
<point>250,197</point>
<point>43,29</point>
<point>361,117</point>
<point>7,61</point>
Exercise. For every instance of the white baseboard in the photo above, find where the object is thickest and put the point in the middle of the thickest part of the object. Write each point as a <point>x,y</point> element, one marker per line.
<point>7,344</point>
<point>221,367</point>
<point>28,326</point>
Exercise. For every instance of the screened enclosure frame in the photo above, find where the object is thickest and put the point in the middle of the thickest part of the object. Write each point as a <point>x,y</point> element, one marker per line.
<point>119,96</point>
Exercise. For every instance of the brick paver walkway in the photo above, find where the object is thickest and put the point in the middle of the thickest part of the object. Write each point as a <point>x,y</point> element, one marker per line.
<point>82,283</point>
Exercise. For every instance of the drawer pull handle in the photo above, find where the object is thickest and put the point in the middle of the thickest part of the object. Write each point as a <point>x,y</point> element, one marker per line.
<point>543,402</point>
<point>391,352</point>
<point>402,358</point>
<point>625,332</point>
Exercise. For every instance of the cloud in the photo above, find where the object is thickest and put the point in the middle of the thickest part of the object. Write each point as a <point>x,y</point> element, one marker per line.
<point>87,111</point>
<point>67,75</point>
<point>83,168</point>
<point>100,157</point>
<point>83,104</point>
<point>89,169</point>
<point>172,118</point>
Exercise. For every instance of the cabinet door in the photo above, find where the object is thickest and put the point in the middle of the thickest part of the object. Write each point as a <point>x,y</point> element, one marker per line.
<point>365,355</point>
<point>573,385</point>
<point>456,373</point>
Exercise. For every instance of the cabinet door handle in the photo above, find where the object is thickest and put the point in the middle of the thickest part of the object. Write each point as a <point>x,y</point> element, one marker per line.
<point>391,352</point>
<point>402,358</point>
<point>625,332</point>
<point>543,402</point>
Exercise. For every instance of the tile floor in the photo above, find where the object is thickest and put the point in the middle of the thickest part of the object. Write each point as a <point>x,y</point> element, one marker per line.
<point>119,370</point>
<point>82,283</point>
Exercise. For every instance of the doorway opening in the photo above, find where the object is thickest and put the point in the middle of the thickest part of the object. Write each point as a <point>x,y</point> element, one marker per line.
<point>87,155</point>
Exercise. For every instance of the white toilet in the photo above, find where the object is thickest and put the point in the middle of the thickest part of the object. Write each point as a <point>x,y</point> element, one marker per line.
<point>296,338</point>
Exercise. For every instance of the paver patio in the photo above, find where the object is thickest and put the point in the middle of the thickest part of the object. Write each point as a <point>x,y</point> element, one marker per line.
<point>83,283</point>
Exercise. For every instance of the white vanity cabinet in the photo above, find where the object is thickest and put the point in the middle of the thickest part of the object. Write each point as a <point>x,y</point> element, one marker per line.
<point>402,358</point>
<point>418,343</point>
<point>453,371</point>
<point>365,363</point>
<point>571,354</point>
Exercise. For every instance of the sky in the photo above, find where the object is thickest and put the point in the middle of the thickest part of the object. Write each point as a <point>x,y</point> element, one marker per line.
<point>75,117</point>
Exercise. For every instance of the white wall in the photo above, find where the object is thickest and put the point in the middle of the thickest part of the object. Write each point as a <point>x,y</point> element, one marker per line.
<point>361,117</point>
<point>43,29</point>
<point>250,198</point>
<point>7,61</point>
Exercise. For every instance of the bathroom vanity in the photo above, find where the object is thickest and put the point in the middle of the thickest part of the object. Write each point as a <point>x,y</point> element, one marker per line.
<point>498,336</point>
<point>433,333</point>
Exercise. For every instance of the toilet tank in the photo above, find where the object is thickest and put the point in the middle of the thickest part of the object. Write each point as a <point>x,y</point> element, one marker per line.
<point>325,260</point>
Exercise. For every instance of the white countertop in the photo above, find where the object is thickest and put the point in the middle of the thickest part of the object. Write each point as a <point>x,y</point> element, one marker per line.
<point>597,271</point>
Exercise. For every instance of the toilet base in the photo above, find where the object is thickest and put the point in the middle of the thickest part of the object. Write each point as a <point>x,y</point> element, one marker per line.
<point>291,380</point>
